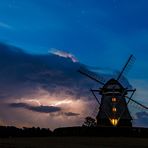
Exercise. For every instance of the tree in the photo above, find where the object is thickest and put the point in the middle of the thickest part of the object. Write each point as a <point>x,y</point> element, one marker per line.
<point>89,122</point>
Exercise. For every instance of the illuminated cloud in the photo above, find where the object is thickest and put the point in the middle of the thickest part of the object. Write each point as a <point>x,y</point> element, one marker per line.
<point>63,54</point>
<point>70,111</point>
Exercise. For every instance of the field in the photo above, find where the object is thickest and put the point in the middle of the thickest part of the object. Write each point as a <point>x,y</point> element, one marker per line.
<point>74,142</point>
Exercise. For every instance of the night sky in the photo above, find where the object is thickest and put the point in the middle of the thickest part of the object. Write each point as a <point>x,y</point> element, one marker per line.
<point>44,42</point>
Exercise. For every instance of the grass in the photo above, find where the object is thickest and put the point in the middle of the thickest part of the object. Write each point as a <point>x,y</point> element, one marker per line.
<point>74,142</point>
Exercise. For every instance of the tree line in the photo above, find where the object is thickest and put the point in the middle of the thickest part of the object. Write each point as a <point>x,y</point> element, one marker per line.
<point>11,131</point>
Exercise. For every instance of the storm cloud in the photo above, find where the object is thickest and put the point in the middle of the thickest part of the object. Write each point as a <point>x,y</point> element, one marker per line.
<point>43,90</point>
<point>21,74</point>
<point>43,84</point>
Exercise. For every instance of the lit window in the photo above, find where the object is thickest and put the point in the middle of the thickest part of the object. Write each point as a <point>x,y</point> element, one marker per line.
<point>114,122</point>
<point>114,109</point>
<point>114,99</point>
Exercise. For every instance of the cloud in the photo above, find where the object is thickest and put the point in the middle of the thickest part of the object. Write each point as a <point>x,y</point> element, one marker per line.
<point>4,25</point>
<point>63,54</point>
<point>141,119</point>
<point>142,115</point>
<point>38,82</point>
<point>65,114</point>
<point>18,105</point>
<point>71,114</point>
<point>31,73</point>
<point>43,90</point>
<point>45,109</point>
<point>41,109</point>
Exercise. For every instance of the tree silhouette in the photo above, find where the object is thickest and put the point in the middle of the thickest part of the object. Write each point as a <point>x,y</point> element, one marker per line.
<point>89,122</point>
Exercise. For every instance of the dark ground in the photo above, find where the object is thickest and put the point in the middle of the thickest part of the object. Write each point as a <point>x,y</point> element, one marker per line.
<point>74,142</point>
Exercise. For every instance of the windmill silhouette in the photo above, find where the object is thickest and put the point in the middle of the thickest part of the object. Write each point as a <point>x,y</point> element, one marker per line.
<point>115,97</point>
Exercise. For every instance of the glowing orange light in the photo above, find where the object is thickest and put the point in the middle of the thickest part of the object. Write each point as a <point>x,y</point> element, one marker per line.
<point>114,121</point>
<point>114,99</point>
<point>114,109</point>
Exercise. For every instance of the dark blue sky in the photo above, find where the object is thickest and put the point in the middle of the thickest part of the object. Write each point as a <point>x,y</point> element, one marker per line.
<point>98,33</point>
<point>95,31</point>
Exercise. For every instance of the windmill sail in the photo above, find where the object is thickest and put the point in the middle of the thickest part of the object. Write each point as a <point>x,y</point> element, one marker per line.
<point>126,67</point>
<point>96,77</point>
<point>137,103</point>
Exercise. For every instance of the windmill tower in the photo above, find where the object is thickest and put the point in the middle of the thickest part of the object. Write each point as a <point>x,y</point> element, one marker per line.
<point>113,107</point>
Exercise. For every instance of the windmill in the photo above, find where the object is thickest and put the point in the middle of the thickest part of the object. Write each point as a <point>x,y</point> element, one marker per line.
<point>115,97</point>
